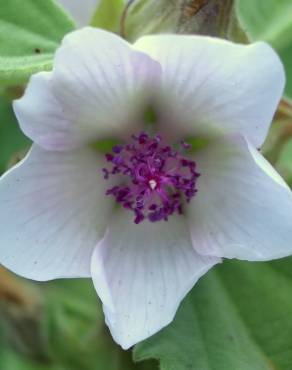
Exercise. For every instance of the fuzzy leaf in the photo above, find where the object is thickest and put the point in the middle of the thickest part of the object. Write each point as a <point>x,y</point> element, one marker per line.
<point>12,140</point>
<point>237,317</point>
<point>30,32</point>
<point>270,20</point>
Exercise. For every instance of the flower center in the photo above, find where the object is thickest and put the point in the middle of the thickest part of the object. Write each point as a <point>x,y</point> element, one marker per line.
<point>154,180</point>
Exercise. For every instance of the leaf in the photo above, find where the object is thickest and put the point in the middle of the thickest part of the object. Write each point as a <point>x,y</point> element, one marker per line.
<point>76,329</point>
<point>108,15</point>
<point>30,32</point>
<point>237,317</point>
<point>68,331</point>
<point>12,361</point>
<point>12,140</point>
<point>284,163</point>
<point>270,20</point>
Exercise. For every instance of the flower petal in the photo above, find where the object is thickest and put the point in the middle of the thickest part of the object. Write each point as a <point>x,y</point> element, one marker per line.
<point>53,212</point>
<point>243,207</point>
<point>98,89</point>
<point>81,11</point>
<point>213,85</point>
<point>142,272</point>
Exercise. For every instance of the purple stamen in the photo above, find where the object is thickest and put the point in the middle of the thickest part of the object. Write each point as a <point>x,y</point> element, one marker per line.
<point>155,179</point>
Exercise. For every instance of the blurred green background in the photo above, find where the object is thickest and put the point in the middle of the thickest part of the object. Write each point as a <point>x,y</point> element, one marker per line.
<point>239,316</point>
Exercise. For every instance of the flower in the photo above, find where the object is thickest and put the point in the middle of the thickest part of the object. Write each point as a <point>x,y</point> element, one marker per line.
<point>81,11</point>
<point>153,215</point>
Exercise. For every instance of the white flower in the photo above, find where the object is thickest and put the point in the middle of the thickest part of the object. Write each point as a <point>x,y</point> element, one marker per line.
<point>56,219</point>
<point>81,11</point>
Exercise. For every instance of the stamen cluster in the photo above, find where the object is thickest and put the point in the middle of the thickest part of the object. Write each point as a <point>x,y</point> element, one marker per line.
<point>154,178</point>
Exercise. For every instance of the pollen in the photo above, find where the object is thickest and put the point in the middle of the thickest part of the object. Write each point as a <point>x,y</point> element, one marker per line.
<point>154,180</point>
<point>152,184</point>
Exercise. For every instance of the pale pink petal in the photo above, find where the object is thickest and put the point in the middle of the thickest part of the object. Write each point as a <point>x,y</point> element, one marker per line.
<point>142,272</point>
<point>53,211</point>
<point>100,87</point>
<point>81,11</point>
<point>210,85</point>
<point>243,208</point>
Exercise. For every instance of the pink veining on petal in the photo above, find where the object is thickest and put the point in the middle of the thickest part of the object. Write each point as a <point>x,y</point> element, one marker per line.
<point>154,179</point>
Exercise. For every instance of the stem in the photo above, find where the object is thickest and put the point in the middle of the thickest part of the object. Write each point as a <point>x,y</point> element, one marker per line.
<point>124,17</point>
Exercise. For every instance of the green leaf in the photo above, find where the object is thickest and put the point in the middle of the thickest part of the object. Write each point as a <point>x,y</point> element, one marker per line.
<point>270,20</point>
<point>284,163</point>
<point>57,325</point>
<point>237,317</point>
<point>12,140</point>
<point>12,361</point>
<point>30,32</point>
<point>76,329</point>
<point>108,15</point>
